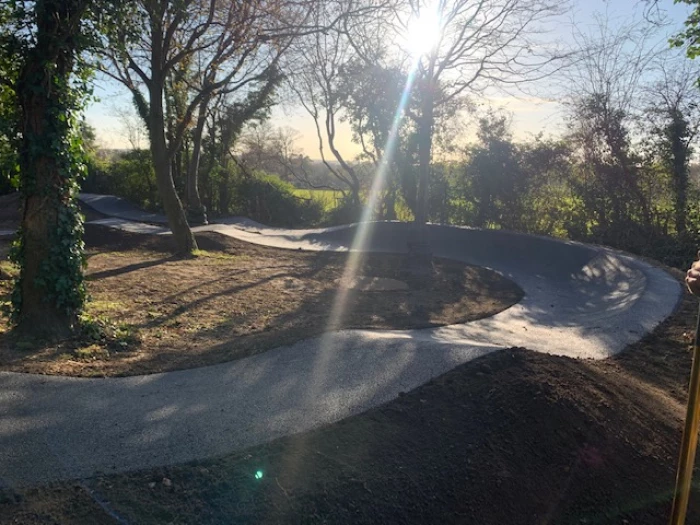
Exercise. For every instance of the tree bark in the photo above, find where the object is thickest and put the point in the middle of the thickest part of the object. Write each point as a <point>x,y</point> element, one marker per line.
<point>197,212</point>
<point>42,86</point>
<point>185,242</point>
<point>418,267</point>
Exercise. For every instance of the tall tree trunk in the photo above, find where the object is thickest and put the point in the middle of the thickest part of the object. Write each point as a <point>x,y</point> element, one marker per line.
<point>50,283</point>
<point>425,139</point>
<point>42,198</point>
<point>197,212</point>
<point>418,266</point>
<point>679,152</point>
<point>425,144</point>
<point>185,242</point>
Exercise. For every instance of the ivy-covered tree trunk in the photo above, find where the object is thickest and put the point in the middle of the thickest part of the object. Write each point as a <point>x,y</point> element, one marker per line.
<point>50,292</point>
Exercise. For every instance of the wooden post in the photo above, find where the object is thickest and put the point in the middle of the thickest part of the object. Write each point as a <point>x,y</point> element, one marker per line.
<point>690,439</point>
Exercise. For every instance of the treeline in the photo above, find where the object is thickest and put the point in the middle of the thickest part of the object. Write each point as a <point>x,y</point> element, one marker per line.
<point>226,190</point>
<point>601,182</point>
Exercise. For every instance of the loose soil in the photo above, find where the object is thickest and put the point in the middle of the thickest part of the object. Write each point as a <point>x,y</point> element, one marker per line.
<point>512,438</point>
<point>234,300</point>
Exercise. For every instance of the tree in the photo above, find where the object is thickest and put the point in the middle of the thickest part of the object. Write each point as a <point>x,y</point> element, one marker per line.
<point>226,122</point>
<point>315,73</point>
<point>42,44</point>
<point>605,93</point>
<point>689,39</point>
<point>371,94</point>
<point>316,83</point>
<point>476,46</point>
<point>494,173</point>
<point>228,45</point>
<point>673,110</point>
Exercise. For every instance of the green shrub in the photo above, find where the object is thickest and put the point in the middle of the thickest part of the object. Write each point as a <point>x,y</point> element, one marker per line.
<point>267,199</point>
<point>131,177</point>
<point>347,211</point>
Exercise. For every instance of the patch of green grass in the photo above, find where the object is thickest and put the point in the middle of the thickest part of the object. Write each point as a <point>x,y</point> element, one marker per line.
<point>91,352</point>
<point>102,330</point>
<point>9,269</point>
<point>218,255</point>
<point>101,306</point>
<point>328,199</point>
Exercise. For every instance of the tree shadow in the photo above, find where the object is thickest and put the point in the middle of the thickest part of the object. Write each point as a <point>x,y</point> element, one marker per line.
<point>104,274</point>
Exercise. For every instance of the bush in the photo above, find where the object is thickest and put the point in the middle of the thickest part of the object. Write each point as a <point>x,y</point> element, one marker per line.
<point>9,170</point>
<point>267,199</point>
<point>131,177</point>
<point>347,211</point>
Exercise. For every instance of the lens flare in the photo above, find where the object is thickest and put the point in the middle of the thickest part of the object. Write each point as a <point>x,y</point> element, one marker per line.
<point>361,239</point>
<point>328,345</point>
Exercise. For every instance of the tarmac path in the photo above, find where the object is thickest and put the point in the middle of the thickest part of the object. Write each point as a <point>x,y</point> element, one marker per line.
<point>581,301</point>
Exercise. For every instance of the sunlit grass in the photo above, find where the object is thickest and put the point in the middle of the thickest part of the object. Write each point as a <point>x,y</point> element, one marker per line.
<point>98,306</point>
<point>218,256</point>
<point>328,199</point>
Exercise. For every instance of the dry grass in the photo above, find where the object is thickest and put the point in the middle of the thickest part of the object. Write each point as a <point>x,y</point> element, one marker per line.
<point>235,300</point>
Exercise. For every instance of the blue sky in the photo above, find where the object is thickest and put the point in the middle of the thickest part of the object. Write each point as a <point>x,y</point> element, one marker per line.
<point>531,114</point>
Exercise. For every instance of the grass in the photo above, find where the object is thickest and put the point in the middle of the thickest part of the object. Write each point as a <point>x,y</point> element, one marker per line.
<point>151,312</point>
<point>328,199</point>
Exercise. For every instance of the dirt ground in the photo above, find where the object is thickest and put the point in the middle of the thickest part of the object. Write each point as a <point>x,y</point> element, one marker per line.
<point>512,438</point>
<point>235,300</point>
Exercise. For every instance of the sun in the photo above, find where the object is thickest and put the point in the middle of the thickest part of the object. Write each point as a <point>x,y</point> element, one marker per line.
<point>423,32</point>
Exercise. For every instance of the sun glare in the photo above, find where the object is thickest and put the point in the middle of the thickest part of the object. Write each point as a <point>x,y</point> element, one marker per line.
<point>423,32</point>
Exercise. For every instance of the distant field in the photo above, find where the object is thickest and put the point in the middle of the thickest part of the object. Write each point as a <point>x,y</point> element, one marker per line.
<point>329,199</point>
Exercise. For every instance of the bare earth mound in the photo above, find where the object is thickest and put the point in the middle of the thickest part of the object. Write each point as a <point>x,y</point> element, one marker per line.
<point>236,300</point>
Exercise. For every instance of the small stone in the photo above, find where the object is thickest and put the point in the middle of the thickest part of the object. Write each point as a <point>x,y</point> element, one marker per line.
<point>167,483</point>
<point>152,485</point>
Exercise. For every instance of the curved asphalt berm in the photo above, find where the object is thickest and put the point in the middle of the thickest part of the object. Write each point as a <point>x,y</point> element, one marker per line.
<point>580,301</point>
